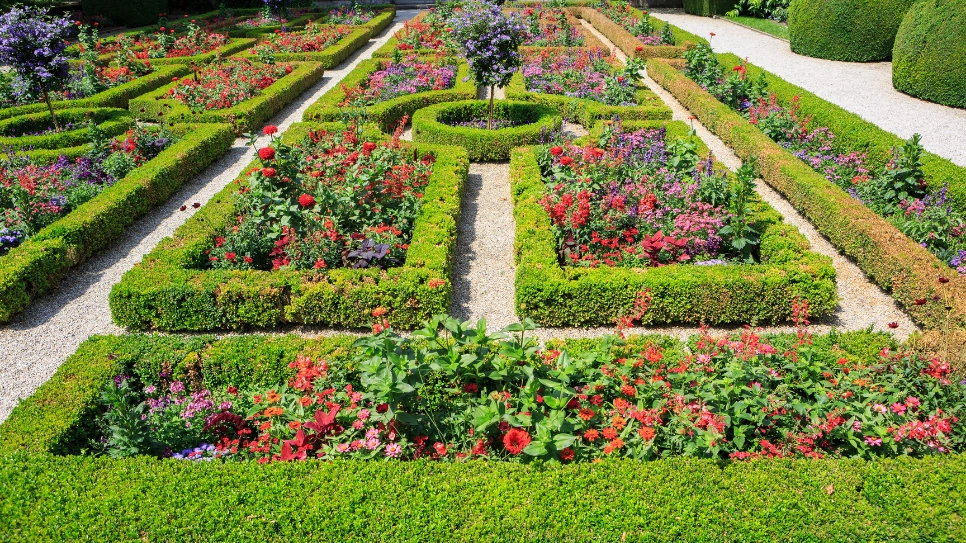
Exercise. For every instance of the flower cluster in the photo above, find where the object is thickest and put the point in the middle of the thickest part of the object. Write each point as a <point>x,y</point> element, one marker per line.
<point>225,84</point>
<point>619,11</point>
<point>35,195</point>
<point>580,73</point>
<point>33,44</point>
<point>453,398</point>
<point>431,32</point>
<point>352,16</point>
<point>335,200</point>
<point>164,44</point>
<point>551,27</point>
<point>490,40</point>
<point>314,37</point>
<point>399,78</point>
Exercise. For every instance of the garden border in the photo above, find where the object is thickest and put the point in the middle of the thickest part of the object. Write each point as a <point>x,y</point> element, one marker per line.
<point>163,293</point>
<point>234,45</point>
<point>244,116</point>
<point>36,266</point>
<point>629,44</point>
<point>555,296</point>
<point>113,121</point>
<point>328,58</point>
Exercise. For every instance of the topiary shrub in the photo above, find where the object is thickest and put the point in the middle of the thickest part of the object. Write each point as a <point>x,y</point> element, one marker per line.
<point>929,57</point>
<point>849,30</point>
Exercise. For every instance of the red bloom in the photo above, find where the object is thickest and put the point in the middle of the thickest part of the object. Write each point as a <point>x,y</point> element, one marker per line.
<point>266,153</point>
<point>306,200</point>
<point>470,388</point>
<point>516,440</point>
<point>567,454</point>
<point>566,160</point>
<point>893,325</point>
<point>440,448</point>
<point>556,150</point>
<point>368,146</point>
<point>268,172</point>
<point>382,408</point>
<point>270,129</point>
<point>943,279</point>
<point>196,205</point>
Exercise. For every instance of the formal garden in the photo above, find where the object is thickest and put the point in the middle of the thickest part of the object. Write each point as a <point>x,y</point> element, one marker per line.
<point>571,270</point>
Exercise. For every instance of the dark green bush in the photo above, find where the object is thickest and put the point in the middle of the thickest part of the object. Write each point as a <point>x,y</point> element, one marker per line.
<point>708,8</point>
<point>929,57</point>
<point>126,12</point>
<point>849,30</point>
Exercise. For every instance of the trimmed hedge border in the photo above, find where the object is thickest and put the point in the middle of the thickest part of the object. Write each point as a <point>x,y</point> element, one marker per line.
<point>245,116</point>
<point>328,58</point>
<point>481,144</point>
<point>846,30</point>
<point>891,259</point>
<point>166,292</point>
<point>235,45</point>
<point>387,114</point>
<point>118,96</point>
<point>386,50</point>
<point>630,44</point>
<point>929,55</point>
<point>112,121</point>
<point>37,265</point>
<point>553,295</point>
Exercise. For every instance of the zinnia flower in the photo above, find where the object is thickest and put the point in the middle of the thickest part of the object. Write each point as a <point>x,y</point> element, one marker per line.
<point>566,160</point>
<point>556,150</point>
<point>516,440</point>
<point>268,172</point>
<point>306,200</point>
<point>266,153</point>
<point>270,129</point>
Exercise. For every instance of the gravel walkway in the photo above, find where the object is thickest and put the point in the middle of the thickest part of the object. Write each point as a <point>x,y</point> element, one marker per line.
<point>862,88</point>
<point>38,340</point>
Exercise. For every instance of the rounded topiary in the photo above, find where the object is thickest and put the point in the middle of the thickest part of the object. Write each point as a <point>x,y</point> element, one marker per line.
<point>929,57</point>
<point>850,30</point>
<point>439,124</point>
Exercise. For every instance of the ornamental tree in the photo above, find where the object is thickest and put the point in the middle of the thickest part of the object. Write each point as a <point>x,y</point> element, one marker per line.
<point>279,8</point>
<point>490,41</point>
<point>33,43</point>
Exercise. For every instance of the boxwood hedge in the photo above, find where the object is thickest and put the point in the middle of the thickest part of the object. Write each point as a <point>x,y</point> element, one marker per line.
<point>892,260</point>
<point>630,44</point>
<point>552,295</point>
<point>849,30</point>
<point>112,121</point>
<point>244,116</point>
<point>929,56</point>
<point>709,8</point>
<point>386,114</point>
<point>167,292</point>
<point>430,126</point>
<point>37,265</point>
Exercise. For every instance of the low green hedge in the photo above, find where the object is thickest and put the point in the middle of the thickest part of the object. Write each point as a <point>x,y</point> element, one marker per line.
<point>630,44</point>
<point>112,121</point>
<point>386,114</point>
<point>429,126</point>
<point>165,292</point>
<point>331,56</point>
<point>892,260</point>
<point>37,265</point>
<point>929,56</point>
<point>235,45</point>
<point>587,112</point>
<point>118,96</point>
<point>709,8</point>
<point>849,30</point>
<point>245,116</point>
<point>552,295</point>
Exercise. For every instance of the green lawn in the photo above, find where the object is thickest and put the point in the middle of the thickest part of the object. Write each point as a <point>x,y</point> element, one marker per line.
<point>779,30</point>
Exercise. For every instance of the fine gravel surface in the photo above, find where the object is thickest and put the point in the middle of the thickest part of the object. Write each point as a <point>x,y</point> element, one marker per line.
<point>862,88</point>
<point>38,340</point>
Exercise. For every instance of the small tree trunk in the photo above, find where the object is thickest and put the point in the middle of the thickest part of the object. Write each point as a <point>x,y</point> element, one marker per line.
<point>51,108</point>
<point>489,120</point>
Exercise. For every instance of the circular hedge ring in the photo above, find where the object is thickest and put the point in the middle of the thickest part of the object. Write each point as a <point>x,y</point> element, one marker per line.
<point>435,124</point>
<point>31,131</point>
<point>929,58</point>
<point>849,30</point>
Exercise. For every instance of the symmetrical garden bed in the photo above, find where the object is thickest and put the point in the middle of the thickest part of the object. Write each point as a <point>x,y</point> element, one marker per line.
<point>188,53</point>
<point>324,44</point>
<point>424,35</point>
<point>175,289</point>
<point>34,133</point>
<point>636,33</point>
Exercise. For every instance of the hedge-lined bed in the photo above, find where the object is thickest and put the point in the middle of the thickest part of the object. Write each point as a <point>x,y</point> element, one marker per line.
<point>244,116</point>
<point>894,261</point>
<point>630,44</point>
<point>387,49</point>
<point>430,126</point>
<point>331,56</point>
<point>386,114</point>
<point>112,121</point>
<point>553,295</point>
<point>234,45</point>
<point>166,292</point>
<point>117,97</point>
<point>38,264</point>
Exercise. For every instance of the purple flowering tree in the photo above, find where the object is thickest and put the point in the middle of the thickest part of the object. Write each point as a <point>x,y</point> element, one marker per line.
<point>278,7</point>
<point>33,43</point>
<point>490,41</point>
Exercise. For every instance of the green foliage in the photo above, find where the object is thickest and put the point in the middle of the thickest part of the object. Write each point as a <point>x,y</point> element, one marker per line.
<point>111,121</point>
<point>709,8</point>
<point>125,13</point>
<point>929,56</point>
<point>431,125</point>
<point>849,30</point>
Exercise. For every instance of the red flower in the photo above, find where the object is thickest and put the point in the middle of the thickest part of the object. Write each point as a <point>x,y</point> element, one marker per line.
<point>639,48</point>
<point>470,388</point>
<point>566,160</point>
<point>184,208</point>
<point>440,448</point>
<point>266,153</point>
<point>268,172</point>
<point>368,146</point>
<point>516,440</point>
<point>920,301</point>
<point>893,325</point>
<point>556,150</point>
<point>306,200</point>
<point>248,259</point>
<point>567,454</point>
<point>230,256</point>
<point>591,435</point>
<point>288,69</point>
<point>943,279</point>
<point>196,205</point>
<point>382,408</point>
<point>270,129</point>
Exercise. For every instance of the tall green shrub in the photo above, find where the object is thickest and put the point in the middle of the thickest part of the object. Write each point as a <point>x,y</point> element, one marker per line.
<point>929,57</point>
<point>849,30</point>
<point>709,8</point>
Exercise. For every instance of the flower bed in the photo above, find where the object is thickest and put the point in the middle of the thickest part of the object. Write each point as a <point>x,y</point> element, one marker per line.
<point>220,93</point>
<point>427,34</point>
<point>165,47</point>
<point>326,45</point>
<point>401,78</point>
<point>585,85</point>
<point>36,265</point>
<point>84,80</point>
<point>633,31</point>
<point>892,260</point>
<point>332,106</point>
<point>584,292</point>
<point>351,16</point>
<point>191,297</point>
<point>465,124</point>
<point>34,131</point>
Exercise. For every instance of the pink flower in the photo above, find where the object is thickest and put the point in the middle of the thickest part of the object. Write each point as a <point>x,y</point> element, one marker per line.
<point>857,425</point>
<point>357,425</point>
<point>363,414</point>
<point>898,408</point>
<point>879,408</point>
<point>342,447</point>
<point>372,433</point>
<point>912,402</point>
<point>393,450</point>
<point>873,441</point>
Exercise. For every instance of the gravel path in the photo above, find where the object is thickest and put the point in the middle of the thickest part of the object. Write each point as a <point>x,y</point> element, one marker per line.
<point>38,340</point>
<point>862,88</point>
